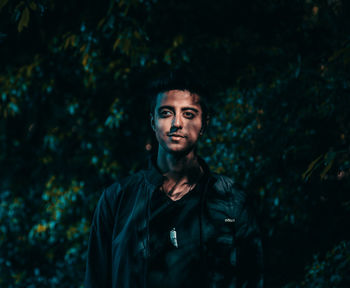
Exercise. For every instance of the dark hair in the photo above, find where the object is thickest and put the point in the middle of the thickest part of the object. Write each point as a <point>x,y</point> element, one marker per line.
<point>180,80</point>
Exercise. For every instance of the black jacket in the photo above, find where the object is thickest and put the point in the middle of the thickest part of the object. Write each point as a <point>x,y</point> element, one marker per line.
<point>118,246</point>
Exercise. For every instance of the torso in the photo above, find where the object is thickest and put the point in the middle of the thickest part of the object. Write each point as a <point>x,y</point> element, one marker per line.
<point>175,263</point>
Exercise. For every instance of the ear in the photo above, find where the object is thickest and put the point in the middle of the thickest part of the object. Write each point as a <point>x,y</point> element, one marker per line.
<point>201,132</point>
<point>204,126</point>
<point>152,121</point>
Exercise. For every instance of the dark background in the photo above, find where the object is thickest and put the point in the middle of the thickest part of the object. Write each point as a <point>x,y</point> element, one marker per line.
<point>74,119</point>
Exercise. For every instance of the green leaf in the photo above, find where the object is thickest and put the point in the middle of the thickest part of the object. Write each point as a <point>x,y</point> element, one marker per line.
<point>311,166</point>
<point>23,22</point>
<point>33,6</point>
<point>3,3</point>
<point>116,43</point>
<point>326,169</point>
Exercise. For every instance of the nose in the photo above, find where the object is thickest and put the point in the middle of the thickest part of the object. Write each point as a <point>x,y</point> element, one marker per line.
<point>177,121</point>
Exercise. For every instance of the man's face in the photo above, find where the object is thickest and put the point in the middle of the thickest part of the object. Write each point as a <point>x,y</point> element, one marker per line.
<point>177,121</point>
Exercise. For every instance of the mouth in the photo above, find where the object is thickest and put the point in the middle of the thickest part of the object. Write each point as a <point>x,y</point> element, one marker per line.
<point>176,136</point>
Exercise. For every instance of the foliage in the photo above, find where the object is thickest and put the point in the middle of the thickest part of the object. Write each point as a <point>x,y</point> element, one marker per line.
<point>72,110</point>
<point>330,271</point>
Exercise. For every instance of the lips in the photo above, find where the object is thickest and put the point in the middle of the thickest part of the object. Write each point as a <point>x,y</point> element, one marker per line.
<point>176,135</point>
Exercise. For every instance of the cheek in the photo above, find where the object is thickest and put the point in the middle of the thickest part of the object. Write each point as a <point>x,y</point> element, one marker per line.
<point>161,127</point>
<point>194,127</point>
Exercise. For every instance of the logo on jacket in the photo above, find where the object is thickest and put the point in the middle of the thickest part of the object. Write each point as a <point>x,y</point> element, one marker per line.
<point>230,220</point>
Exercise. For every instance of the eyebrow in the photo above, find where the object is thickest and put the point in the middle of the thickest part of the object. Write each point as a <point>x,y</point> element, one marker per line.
<point>172,108</point>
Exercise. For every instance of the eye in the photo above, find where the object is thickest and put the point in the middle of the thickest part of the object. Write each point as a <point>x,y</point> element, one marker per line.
<point>165,113</point>
<point>189,115</point>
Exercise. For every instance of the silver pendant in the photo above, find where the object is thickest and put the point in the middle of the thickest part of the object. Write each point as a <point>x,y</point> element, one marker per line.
<point>173,238</point>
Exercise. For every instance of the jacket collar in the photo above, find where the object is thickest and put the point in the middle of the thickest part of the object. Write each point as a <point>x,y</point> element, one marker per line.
<point>154,176</point>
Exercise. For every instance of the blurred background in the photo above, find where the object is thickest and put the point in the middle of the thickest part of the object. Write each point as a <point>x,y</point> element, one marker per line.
<point>74,119</point>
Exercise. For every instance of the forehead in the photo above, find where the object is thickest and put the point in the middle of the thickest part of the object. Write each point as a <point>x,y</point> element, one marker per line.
<point>178,98</point>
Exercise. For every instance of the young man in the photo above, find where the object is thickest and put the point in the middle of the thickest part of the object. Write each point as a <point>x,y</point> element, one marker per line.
<point>175,224</point>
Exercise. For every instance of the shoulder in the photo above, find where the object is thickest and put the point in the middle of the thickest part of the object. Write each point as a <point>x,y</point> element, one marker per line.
<point>122,186</point>
<point>228,186</point>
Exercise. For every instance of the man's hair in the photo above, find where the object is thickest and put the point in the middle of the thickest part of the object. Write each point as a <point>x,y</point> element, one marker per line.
<point>183,80</point>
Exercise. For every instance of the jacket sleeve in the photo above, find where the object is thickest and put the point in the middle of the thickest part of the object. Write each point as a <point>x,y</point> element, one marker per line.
<point>249,249</point>
<point>98,266</point>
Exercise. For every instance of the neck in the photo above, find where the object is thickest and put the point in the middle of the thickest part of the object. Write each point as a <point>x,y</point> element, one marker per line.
<point>176,167</point>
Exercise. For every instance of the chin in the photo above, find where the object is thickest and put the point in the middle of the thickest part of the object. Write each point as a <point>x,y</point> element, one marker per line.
<point>179,151</point>
<point>174,148</point>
